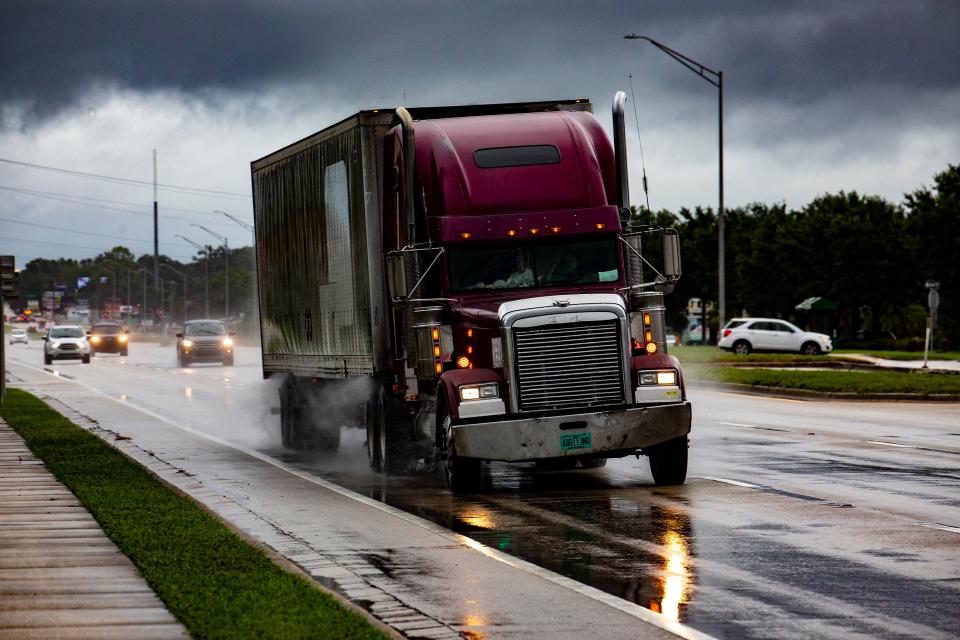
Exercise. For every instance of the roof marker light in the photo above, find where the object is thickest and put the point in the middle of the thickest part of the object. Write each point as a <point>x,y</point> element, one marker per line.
<point>600,226</point>
<point>556,229</point>
<point>534,231</point>
<point>511,232</point>
<point>466,235</point>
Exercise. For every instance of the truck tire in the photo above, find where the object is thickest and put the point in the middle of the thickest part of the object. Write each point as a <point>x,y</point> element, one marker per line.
<point>462,474</point>
<point>668,461</point>
<point>301,428</point>
<point>86,359</point>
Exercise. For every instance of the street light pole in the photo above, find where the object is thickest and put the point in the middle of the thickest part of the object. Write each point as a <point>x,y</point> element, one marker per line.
<point>226,262</point>
<point>716,79</point>
<point>206,273</point>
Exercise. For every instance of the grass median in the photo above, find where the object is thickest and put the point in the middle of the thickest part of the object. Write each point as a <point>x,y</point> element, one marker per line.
<point>214,582</point>
<point>859,382</point>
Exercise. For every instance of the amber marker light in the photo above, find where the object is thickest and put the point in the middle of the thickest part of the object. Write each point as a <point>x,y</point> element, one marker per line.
<point>469,333</point>
<point>436,351</point>
<point>600,226</point>
<point>652,347</point>
<point>466,235</point>
<point>463,362</point>
<point>556,229</point>
<point>438,367</point>
<point>435,333</point>
<point>648,336</point>
<point>646,319</point>
<point>511,233</point>
<point>534,231</point>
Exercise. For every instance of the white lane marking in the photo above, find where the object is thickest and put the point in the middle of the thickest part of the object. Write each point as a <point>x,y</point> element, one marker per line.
<point>735,424</point>
<point>635,610</point>
<point>892,444</point>
<point>942,527</point>
<point>737,483</point>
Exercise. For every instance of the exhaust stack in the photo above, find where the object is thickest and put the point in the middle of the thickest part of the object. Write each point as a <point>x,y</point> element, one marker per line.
<point>620,152</point>
<point>406,125</point>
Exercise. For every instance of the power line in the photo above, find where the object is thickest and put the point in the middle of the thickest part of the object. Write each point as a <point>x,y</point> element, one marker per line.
<point>83,233</point>
<point>74,200</point>
<point>142,183</point>
<point>73,246</point>
<point>120,202</point>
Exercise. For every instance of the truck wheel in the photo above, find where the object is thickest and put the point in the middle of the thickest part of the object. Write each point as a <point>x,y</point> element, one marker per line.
<point>741,348</point>
<point>462,474</point>
<point>810,349</point>
<point>86,359</point>
<point>668,461</point>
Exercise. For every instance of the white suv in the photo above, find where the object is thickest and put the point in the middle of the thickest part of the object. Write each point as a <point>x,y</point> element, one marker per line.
<point>743,335</point>
<point>66,342</point>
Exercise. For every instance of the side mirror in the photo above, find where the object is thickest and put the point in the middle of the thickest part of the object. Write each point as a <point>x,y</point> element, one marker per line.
<point>671,254</point>
<point>126,330</point>
<point>44,338</point>
<point>232,333</point>
<point>396,276</point>
<point>179,335</point>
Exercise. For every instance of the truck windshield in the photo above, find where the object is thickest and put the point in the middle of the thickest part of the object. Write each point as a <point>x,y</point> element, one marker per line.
<point>535,264</point>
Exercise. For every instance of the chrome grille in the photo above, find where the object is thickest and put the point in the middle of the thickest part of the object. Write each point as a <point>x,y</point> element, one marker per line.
<point>569,366</point>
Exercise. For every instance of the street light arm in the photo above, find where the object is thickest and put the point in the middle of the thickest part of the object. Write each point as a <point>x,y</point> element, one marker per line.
<point>698,68</point>
<point>216,235</point>
<point>235,219</point>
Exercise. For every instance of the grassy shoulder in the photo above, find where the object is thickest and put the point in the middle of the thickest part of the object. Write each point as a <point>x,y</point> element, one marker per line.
<point>712,354</point>
<point>215,583</point>
<point>860,382</point>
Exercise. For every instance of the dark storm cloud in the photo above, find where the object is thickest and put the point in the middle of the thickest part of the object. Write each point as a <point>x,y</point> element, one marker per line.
<point>51,52</point>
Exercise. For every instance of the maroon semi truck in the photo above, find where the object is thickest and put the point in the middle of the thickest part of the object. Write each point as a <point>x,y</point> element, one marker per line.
<point>468,275</point>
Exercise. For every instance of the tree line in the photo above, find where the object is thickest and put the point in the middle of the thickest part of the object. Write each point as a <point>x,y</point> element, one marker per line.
<point>869,256</point>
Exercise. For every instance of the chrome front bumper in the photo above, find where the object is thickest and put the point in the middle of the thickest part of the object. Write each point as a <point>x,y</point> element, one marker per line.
<point>613,433</point>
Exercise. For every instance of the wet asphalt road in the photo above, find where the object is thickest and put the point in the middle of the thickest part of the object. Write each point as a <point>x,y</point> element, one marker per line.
<point>799,519</point>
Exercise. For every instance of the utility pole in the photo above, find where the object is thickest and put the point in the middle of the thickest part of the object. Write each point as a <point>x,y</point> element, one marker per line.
<point>156,235</point>
<point>206,273</point>
<point>226,266</point>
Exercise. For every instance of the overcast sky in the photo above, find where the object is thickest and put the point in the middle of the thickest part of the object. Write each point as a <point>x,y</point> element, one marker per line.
<point>818,97</point>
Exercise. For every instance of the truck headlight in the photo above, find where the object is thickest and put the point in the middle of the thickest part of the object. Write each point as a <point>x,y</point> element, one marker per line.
<point>665,377</point>
<point>479,391</point>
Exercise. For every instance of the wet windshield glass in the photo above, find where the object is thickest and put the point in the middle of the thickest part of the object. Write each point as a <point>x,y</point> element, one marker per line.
<point>541,264</point>
<point>67,332</point>
<point>204,329</point>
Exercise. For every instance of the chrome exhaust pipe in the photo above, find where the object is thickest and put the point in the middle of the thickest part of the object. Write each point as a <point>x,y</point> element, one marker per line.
<point>406,125</point>
<point>620,153</point>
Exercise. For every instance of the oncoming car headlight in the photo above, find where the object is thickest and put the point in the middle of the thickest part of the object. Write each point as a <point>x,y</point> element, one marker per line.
<point>479,391</point>
<point>122,338</point>
<point>666,377</point>
<point>94,339</point>
<point>187,344</point>
<point>228,342</point>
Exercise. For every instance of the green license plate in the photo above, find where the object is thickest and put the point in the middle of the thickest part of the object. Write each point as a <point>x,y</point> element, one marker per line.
<point>570,441</point>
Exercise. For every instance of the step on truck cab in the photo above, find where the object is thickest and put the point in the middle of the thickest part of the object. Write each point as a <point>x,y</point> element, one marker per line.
<point>469,274</point>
